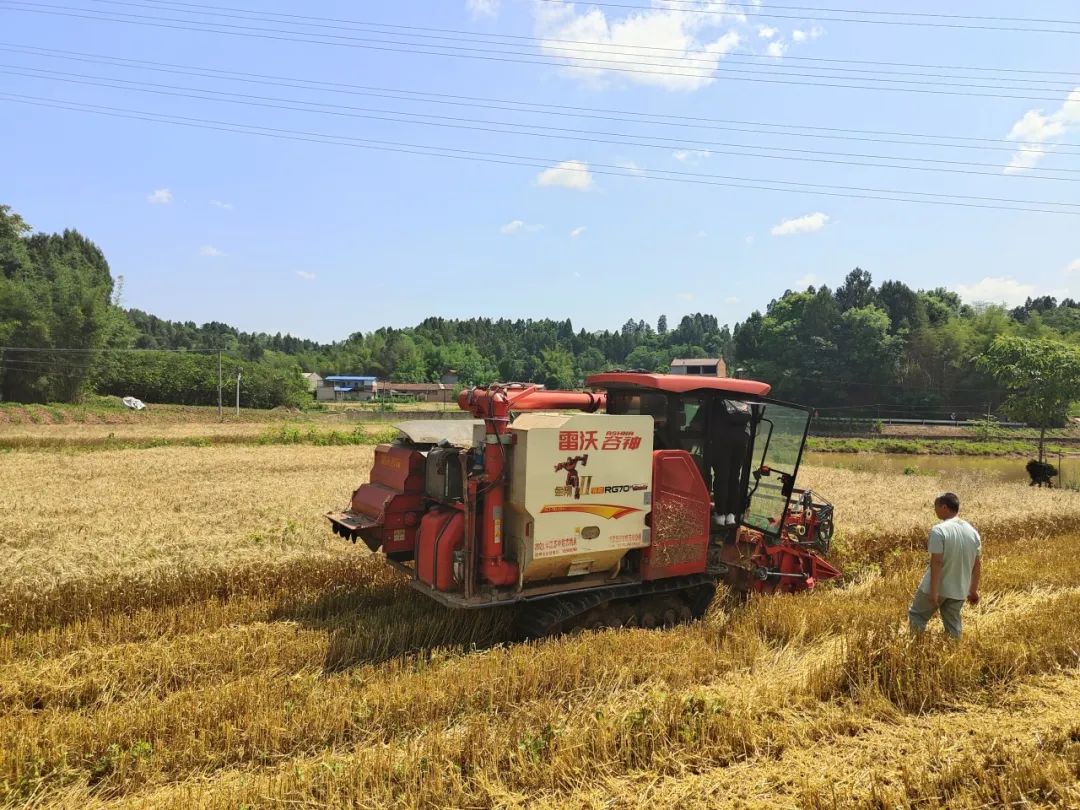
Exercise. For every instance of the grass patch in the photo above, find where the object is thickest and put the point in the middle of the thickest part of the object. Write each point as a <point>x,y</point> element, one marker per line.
<point>287,433</point>
<point>946,447</point>
<point>95,409</point>
<point>293,434</point>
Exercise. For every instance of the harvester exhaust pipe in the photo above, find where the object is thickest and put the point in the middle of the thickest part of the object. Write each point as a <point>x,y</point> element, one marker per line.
<point>494,408</point>
<point>493,567</point>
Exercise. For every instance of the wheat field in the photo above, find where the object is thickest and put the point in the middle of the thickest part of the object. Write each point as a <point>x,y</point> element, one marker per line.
<point>179,629</point>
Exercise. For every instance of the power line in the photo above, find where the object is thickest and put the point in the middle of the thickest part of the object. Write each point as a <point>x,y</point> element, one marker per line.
<point>573,53</point>
<point>540,131</point>
<point>898,13</point>
<point>714,72</point>
<point>610,48</point>
<point>601,113</point>
<point>918,23</point>
<point>859,192</point>
<point>756,7</point>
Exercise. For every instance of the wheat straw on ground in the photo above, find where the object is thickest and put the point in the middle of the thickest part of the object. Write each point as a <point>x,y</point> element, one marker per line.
<point>178,628</point>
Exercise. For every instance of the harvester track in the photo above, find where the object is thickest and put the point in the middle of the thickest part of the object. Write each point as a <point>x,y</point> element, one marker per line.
<point>660,604</point>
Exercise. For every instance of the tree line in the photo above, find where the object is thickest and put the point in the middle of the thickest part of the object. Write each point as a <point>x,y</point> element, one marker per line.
<point>859,349</point>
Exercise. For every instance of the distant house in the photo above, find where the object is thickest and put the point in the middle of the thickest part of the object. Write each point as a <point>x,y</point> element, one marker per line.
<point>313,381</point>
<point>423,392</point>
<point>342,388</point>
<point>450,377</point>
<point>705,367</point>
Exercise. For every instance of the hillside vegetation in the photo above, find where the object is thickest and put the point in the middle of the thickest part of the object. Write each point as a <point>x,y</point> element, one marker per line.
<point>881,350</point>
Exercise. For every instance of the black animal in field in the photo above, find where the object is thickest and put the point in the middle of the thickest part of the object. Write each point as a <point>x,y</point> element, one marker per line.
<point>1041,472</point>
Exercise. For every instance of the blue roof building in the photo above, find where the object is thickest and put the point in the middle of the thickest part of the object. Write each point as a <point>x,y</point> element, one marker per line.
<point>338,387</point>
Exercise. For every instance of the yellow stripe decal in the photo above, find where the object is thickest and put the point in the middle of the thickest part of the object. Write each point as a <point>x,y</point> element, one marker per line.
<point>607,511</point>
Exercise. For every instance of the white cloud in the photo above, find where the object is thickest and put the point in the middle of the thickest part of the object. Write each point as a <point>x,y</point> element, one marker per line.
<point>701,234</point>
<point>776,49</point>
<point>731,299</point>
<point>804,224</point>
<point>630,167</point>
<point>1074,266</point>
<point>641,45</point>
<point>750,238</point>
<point>1036,133</point>
<point>578,231</point>
<point>225,206</point>
<point>161,196</point>
<point>573,174</point>
<point>767,31</point>
<point>809,280</point>
<point>691,155</point>
<point>518,226</point>
<point>482,8</point>
<point>800,35</point>
<point>995,290</point>
<point>211,251</point>
<point>686,296</point>
<point>1024,158</point>
<point>305,275</point>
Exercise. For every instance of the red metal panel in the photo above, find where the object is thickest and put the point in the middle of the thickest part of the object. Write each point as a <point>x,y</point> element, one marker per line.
<point>499,400</point>
<point>398,468</point>
<point>391,504</point>
<point>680,518</point>
<point>371,500</point>
<point>441,533</point>
<point>676,383</point>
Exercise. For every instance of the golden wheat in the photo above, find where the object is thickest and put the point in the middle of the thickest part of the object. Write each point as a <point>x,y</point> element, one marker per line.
<point>179,629</point>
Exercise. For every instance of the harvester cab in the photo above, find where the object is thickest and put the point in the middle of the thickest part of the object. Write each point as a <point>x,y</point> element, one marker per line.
<point>622,505</point>
<point>765,535</point>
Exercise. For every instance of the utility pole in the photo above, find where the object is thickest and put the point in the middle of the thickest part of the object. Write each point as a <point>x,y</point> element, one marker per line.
<point>1,373</point>
<point>238,392</point>
<point>220,415</point>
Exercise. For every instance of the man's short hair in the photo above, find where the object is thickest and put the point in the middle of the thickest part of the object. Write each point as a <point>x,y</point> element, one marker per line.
<point>949,500</point>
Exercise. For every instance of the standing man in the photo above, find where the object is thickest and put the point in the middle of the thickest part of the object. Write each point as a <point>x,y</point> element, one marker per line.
<point>953,574</point>
<point>725,457</point>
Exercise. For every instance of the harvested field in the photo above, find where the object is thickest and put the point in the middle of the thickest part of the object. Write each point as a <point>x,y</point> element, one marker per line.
<point>178,628</point>
<point>136,437</point>
<point>110,411</point>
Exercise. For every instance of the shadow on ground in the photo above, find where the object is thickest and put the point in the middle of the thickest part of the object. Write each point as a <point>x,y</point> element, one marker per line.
<point>393,621</point>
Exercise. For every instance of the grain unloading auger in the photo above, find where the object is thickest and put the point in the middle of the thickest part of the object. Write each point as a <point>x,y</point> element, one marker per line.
<point>625,505</point>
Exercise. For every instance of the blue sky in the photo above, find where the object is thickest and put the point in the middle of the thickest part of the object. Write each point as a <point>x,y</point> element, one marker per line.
<point>322,240</point>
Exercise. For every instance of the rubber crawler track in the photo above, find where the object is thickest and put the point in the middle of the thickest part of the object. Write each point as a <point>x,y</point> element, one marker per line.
<point>660,604</point>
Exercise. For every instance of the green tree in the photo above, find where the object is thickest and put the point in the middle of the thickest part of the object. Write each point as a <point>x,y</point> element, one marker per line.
<point>648,359</point>
<point>906,310</point>
<point>1041,376</point>
<point>406,360</point>
<point>464,358</point>
<point>857,290</point>
<point>556,368</point>
<point>55,309</point>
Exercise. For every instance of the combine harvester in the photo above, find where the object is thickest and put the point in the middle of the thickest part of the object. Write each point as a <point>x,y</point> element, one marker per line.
<point>621,506</point>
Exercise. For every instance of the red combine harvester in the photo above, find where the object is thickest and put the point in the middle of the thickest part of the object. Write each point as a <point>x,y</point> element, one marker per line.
<point>625,505</point>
